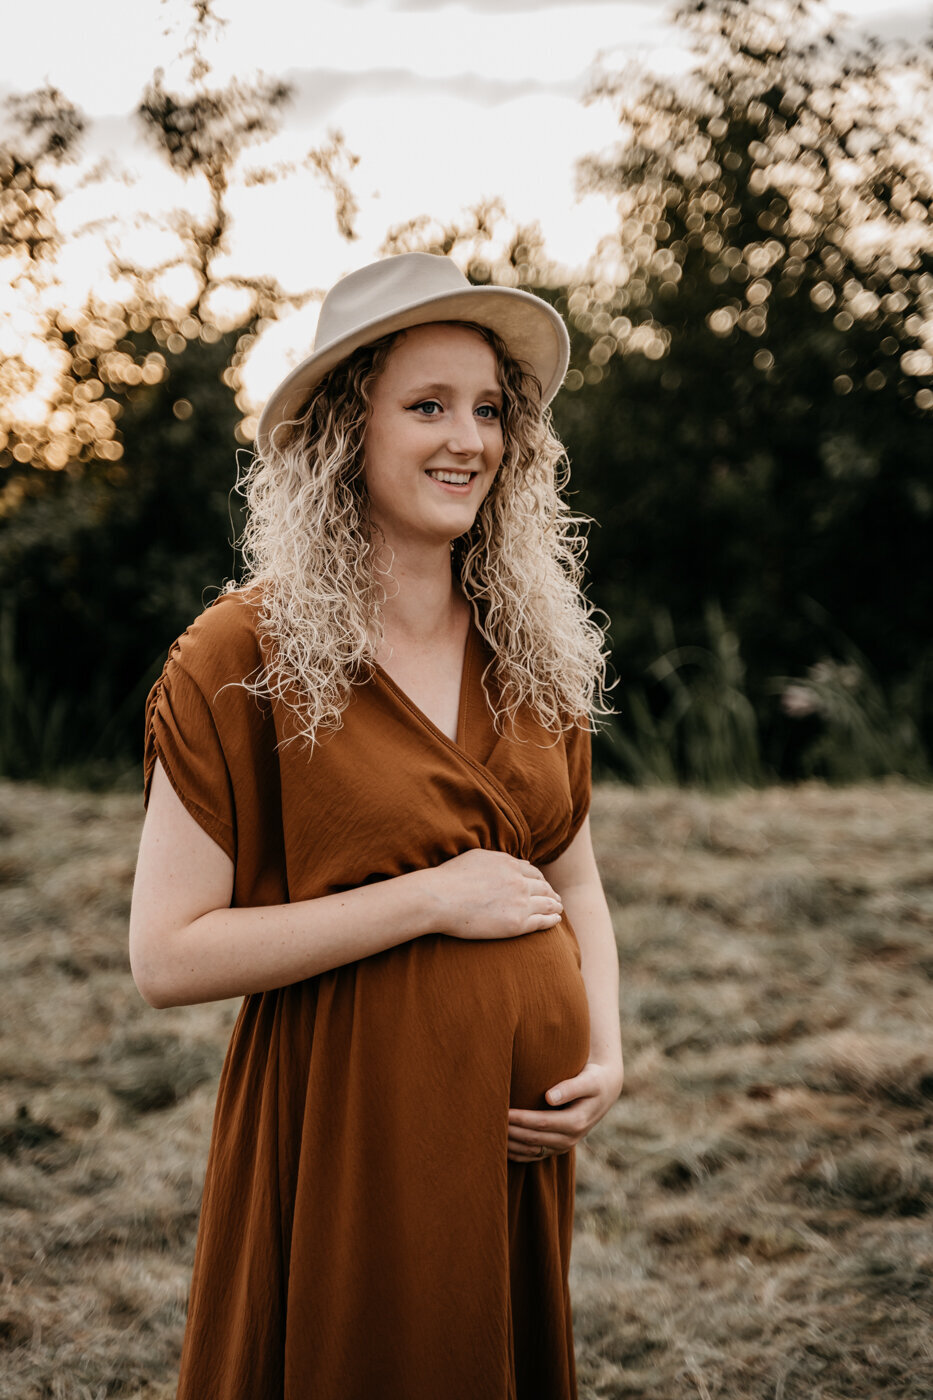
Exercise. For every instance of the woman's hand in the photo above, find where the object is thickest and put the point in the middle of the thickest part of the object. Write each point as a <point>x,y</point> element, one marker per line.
<point>489,894</point>
<point>584,1100</point>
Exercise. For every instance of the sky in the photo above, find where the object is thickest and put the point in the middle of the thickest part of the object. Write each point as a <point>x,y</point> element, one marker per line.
<point>445,104</point>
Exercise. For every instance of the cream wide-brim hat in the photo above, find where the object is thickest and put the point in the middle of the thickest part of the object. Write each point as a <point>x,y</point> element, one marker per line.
<point>414,289</point>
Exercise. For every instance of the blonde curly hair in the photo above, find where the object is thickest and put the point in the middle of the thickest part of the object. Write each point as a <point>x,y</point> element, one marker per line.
<point>309,553</point>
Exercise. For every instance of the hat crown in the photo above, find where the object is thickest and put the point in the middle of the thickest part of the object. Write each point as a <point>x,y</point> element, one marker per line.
<point>382,289</point>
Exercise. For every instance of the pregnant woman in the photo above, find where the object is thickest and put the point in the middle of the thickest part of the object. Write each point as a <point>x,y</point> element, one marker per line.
<point>367,781</point>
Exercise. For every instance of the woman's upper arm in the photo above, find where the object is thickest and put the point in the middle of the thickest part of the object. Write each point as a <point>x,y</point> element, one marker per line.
<point>574,866</point>
<point>181,874</point>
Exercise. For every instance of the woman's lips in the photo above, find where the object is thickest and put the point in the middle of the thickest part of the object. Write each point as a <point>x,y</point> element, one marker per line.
<point>458,487</point>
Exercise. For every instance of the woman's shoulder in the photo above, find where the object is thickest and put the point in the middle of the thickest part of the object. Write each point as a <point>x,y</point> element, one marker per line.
<point>223,642</point>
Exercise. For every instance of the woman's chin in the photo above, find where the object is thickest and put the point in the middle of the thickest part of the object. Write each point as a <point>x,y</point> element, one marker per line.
<point>437,534</point>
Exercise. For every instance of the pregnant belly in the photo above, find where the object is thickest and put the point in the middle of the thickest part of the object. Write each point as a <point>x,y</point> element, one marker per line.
<point>551,1026</point>
<point>512,1011</point>
<point>495,1022</point>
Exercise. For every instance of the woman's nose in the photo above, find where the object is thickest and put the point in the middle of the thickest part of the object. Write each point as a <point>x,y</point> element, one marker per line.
<point>464,435</point>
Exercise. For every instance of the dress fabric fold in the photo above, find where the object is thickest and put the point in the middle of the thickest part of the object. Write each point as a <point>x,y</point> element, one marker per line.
<point>363,1235</point>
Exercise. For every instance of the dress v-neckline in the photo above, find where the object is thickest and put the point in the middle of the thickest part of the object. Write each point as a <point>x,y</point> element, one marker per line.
<point>462,700</point>
<point>459,746</point>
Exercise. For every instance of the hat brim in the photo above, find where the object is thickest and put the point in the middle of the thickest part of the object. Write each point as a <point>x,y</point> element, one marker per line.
<point>533,331</point>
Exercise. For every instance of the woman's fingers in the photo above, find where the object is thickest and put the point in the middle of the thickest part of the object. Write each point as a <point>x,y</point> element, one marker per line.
<point>550,1120</point>
<point>532,1152</point>
<point>553,1142</point>
<point>520,1150</point>
<point>545,903</point>
<point>565,1126</point>
<point>484,894</point>
<point>543,915</point>
<point>586,1084</point>
<point>586,1097</point>
<point>556,1140</point>
<point>534,1156</point>
<point>537,923</point>
<point>541,889</point>
<point>566,1133</point>
<point>556,1130</point>
<point>535,875</point>
<point>546,906</point>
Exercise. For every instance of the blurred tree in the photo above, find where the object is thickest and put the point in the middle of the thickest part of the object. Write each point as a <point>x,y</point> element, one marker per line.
<point>44,133</point>
<point>488,243</point>
<point>750,400</point>
<point>748,410</point>
<point>102,570</point>
<point>116,508</point>
<point>757,338</point>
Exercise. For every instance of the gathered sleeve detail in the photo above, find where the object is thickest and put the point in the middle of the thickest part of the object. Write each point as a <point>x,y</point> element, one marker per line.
<point>182,732</point>
<point>579,745</point>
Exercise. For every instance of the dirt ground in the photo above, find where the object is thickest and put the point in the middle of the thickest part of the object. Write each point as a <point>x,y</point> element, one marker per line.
<point>753,1216</point>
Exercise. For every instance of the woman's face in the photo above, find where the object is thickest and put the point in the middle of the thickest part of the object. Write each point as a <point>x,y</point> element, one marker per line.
<point>433,441</point>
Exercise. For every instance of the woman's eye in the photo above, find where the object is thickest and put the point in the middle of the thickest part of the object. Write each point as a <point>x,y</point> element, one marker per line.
<point>425,408</point>
<point>488,410</point>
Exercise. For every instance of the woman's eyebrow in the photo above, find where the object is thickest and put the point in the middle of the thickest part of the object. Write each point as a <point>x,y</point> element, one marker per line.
<point>494,393</point>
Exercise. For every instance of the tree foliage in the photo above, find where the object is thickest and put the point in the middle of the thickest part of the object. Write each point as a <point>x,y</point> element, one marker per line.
<point>44,132</point>
<point>747,414</point>
<point>116,500</point>
<point>100,571</point>
<point>756,338</point>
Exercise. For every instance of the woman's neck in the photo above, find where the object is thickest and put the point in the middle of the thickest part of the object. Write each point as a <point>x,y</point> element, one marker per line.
<point>422,599</point>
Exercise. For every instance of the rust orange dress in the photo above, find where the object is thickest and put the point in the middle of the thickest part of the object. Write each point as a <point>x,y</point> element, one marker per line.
<point>363,1235</point>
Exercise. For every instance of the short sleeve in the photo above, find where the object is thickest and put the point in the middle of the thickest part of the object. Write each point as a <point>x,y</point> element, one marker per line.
<point>579,747</point>
<point>181,731</point>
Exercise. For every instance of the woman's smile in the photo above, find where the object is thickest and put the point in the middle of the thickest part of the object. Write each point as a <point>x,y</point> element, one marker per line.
<point>460,481</point>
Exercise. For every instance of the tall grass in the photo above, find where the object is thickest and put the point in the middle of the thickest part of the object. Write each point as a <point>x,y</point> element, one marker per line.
<point>704,730</point>
<point>864,733</point>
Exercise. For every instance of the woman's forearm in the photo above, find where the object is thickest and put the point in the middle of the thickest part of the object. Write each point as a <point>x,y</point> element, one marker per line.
<point>233,952</point>
<point>575,876</point>
<point>585,904</point>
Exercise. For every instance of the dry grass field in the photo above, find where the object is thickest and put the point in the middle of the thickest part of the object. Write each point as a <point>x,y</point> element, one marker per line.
<point>754,1216</point>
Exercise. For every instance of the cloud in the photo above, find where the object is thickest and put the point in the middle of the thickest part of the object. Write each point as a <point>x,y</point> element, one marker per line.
<point>912,21</point>
<point>896,24</point>
<point>319,91</point>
